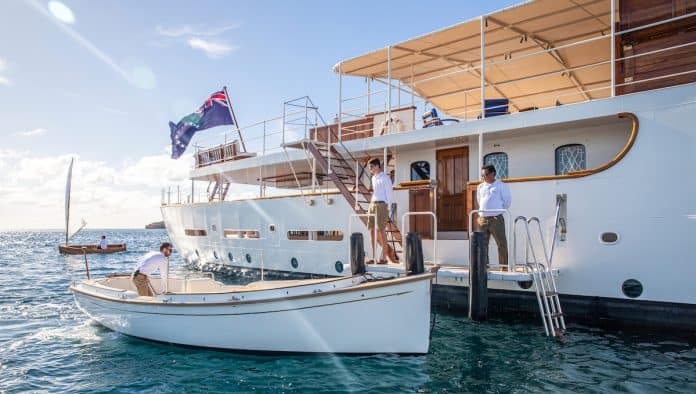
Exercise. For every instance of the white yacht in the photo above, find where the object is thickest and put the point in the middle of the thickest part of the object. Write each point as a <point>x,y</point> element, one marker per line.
<point>584,107</point>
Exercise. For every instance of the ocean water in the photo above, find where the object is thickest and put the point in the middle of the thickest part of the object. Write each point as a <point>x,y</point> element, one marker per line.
<point>48,345</point>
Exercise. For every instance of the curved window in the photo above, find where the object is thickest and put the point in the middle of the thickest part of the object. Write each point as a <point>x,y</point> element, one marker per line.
<point>570,158</point>
<point>499,160</point>
<point>420,171</point>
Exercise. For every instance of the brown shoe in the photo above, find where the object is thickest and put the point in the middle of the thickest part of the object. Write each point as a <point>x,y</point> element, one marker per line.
<point>369,261</point>
<point>382,262</point>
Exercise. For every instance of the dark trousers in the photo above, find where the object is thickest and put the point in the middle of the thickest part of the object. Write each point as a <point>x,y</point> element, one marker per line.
<point>495,226</point>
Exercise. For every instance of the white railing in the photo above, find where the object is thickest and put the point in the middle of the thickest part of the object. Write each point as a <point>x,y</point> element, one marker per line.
<point>404,228</point>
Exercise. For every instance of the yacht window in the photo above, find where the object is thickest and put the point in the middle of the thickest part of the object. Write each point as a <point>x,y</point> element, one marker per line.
<point>329,236</point>
<point>571,157</point>
<point>298,235</point>
<point>420,170</point>
<point>252,234</point>
<point>499,160</point>
<point>195,232</point>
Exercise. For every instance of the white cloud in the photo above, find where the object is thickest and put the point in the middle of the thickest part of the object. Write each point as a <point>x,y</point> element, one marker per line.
<point>211,48</point>
<point>3,65</point>
<point>32,189</point>
<point>33,133</point>
<point>187,30</point>
<point>4,81</point>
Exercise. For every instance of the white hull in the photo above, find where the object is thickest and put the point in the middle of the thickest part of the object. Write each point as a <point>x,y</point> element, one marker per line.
<point>377,317</point>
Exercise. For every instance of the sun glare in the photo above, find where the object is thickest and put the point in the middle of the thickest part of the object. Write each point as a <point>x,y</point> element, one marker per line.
<point>61,12</point>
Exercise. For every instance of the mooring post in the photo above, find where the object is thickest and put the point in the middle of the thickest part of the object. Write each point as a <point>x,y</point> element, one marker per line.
<point>478,277</point>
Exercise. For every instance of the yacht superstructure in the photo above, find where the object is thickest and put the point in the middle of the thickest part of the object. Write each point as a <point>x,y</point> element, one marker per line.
<point>584,108</point>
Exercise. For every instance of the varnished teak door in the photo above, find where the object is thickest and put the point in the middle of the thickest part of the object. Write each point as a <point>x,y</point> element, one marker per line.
<point>452,177</point>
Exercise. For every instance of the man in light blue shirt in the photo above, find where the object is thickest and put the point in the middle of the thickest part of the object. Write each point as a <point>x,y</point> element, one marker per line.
<point>492,194</point>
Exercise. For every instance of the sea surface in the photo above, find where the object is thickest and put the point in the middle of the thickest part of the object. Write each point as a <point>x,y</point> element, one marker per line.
<point>48,345</point>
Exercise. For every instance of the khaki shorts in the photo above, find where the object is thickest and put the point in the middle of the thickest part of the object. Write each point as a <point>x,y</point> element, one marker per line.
<point>381,211</point>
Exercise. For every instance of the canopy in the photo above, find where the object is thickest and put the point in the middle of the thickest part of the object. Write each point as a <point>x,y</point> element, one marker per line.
<point>444,67</point>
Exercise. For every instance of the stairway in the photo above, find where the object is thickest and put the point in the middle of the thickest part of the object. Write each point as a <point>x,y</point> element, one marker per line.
<point>343,175</point>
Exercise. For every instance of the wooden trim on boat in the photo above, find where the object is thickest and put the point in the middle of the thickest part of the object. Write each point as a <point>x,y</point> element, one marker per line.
<point>584,173</point>
<point>360,287</point>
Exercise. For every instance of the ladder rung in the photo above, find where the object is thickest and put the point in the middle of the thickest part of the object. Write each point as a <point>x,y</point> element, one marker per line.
<point>555,315</point>
<point>551,293</point>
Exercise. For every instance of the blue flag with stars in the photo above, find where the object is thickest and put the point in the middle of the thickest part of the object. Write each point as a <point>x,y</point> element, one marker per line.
<point>214,112</point>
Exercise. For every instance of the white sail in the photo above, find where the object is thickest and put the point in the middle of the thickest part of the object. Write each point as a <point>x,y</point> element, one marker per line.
<point>74,232</point>
<point>67,201</point>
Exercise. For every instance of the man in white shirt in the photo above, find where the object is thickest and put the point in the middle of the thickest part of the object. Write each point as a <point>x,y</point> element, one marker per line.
<point>102,243</point>
<point>379,206</point>
<point>493,194</point>
<point>149,264</point>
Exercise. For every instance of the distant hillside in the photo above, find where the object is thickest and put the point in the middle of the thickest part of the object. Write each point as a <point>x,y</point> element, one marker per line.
<point>155,225</point>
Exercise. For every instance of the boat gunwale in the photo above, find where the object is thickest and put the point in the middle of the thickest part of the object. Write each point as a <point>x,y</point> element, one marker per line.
<point>360,287</point>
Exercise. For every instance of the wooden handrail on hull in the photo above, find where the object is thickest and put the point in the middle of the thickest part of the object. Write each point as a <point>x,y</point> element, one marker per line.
<point>583,173</point>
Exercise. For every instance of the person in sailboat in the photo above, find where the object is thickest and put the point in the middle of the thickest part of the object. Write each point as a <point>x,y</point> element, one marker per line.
<point>380,204</point>
<point>103,244</point>
<point>150,263</point>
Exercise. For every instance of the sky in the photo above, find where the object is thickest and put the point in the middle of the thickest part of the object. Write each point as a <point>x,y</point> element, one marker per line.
<point>100,80</point>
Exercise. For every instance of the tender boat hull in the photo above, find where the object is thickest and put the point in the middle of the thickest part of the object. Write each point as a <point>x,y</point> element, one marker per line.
<point>390,316</point>
<point>91,249</point>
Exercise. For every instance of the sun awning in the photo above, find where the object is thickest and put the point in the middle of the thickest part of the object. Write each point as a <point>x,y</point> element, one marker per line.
<point>443,67</point>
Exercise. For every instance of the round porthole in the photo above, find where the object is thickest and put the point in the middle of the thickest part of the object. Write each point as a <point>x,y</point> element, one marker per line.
<point>609,238</point>
<point>215,254</point>
<point>294,263</point>
<point>248,258</point>
<point>271,227</point>
<point>632,288</point>
<point>214,227</point>
<point>525,284</point>
<point>339,266</point>
<point>229,256</point>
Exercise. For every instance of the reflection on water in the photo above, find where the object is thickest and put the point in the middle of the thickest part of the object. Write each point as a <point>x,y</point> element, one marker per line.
<point>46,343</point>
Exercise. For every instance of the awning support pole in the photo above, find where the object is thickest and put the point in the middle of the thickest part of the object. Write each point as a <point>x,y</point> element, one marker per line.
<point>613,48</point>
<point>483,67</point>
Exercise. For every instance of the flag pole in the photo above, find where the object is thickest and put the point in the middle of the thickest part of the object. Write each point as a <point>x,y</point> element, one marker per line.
<point>234,118</point>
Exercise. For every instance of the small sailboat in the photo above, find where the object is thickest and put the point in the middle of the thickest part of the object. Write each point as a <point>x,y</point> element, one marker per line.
<point>84,248</point>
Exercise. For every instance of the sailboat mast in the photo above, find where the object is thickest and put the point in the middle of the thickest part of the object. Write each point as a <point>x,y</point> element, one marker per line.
<point>67,200</point>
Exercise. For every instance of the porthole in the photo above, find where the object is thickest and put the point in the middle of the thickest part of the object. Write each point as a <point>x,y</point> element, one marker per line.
<point>229,256</point>
<point>632,288</point>
<point>609,238</point>
<point>271,227</point>
<point>525,284</point>
<point>339,266</point>
<point>213,227</point>
<point>294,263</point>
<point>248,258</point>
<point>215,254</point>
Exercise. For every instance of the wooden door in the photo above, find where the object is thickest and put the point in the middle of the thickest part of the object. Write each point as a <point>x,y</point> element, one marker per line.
<point>452,177</point>
<point>420,200</point>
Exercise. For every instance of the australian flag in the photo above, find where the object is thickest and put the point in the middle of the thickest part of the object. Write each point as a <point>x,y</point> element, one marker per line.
<point>214,112</point>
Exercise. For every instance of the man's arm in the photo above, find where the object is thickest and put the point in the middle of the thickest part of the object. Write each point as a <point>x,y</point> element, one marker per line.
<point>506,196</point>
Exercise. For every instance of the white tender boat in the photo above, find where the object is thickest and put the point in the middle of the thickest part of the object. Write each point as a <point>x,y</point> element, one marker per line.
<point>356,314</point>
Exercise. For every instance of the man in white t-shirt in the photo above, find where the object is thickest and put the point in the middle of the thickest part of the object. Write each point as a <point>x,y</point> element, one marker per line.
<point>150,263</point>
<point>102,243</point>
<point>493,194</point>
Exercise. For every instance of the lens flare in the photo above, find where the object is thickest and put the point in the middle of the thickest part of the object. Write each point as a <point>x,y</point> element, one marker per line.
<point>61,12</point>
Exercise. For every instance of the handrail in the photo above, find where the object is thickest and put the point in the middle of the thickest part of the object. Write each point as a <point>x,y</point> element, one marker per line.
<point>579,174</point>
<point>541,238</point>
<point>405,229</point>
